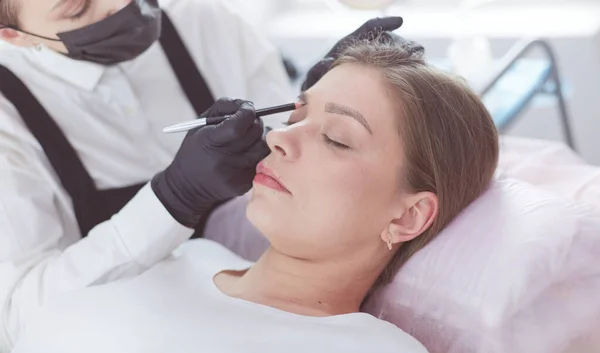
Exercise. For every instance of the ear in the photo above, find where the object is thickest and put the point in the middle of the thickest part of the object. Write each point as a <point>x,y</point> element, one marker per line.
<point>15,37</point>
<point>417,215</point>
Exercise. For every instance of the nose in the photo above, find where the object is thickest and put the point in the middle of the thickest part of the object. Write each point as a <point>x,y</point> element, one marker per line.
<point>283,143</point>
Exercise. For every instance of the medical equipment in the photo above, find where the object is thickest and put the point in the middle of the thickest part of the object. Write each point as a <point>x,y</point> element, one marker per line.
<point>193,124</point>
<point>518,81</point>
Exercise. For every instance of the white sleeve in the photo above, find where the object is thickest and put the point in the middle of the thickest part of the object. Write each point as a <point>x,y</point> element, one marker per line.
<point>33,264</point>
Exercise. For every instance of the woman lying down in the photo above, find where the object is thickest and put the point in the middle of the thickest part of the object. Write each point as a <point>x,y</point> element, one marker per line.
<point>384,154</point>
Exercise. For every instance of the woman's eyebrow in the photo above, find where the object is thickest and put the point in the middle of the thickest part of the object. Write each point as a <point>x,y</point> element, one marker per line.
<point>336,108</point>
<point>340,109</point>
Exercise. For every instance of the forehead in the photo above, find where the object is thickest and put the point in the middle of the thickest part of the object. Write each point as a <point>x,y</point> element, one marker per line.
<point>360,88</point>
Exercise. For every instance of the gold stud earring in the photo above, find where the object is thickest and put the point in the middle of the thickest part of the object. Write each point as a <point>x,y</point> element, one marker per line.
<point>389,240</point>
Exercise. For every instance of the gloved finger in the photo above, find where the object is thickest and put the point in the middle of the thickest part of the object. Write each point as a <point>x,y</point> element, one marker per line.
<point>250,157</point>
<point>415,49</point>
<point>224,106</point>
<point>258,152</point>
<point>245,142</point>
<point>241,182</point>
<point>317,72</point>
<point>381,24</point>
<point>368,30</point>
<point>235,126</point>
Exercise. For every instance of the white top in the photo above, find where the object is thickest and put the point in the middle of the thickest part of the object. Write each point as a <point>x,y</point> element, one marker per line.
<point>113,117</point>
<point>176,307</point>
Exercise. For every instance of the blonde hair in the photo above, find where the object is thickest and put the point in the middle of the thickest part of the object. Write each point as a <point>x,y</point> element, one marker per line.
<point>449,138</point>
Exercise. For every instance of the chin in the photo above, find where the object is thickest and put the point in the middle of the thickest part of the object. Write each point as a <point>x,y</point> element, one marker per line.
<point>276,224</point>
<point>256,212</point>
<point>265,216</point>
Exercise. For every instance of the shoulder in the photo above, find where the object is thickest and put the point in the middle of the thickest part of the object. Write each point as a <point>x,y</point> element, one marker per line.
<point>10,55</point>
<point>15,138</point>
<point>377,335</point>
<point>15,60</point>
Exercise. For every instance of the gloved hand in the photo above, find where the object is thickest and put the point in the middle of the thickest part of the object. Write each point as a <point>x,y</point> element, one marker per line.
<point>370,29</point>
<point>214,163</point>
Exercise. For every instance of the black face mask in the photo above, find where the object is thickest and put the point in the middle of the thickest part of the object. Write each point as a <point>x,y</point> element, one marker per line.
<point>120,37</point>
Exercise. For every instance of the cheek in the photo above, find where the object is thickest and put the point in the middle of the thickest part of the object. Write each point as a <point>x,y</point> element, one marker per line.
<point>337,200</point>
<point>345,189</point>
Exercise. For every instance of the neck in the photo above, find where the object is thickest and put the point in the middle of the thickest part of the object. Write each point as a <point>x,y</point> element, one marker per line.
<point>307,287</point>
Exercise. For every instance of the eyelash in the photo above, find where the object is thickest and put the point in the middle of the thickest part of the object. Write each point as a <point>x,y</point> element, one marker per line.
<point>335,143</point>
<point>83,11</point>
<point>328,140</point>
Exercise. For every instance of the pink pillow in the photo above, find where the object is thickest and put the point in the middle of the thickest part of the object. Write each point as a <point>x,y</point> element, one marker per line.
<point>517,271</point>
<point>552,166</point>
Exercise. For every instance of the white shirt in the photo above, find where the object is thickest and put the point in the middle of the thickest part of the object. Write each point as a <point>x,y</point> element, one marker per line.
<point>113,117</point>
<point>176,307</point>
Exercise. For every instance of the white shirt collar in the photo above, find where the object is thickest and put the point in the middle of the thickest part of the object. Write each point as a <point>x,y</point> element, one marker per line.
<point>83,74</point>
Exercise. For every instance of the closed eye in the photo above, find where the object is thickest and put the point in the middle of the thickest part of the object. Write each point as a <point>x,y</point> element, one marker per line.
<point>335,143</point>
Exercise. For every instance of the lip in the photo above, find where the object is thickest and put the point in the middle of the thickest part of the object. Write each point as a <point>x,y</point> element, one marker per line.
<point>266,177</point>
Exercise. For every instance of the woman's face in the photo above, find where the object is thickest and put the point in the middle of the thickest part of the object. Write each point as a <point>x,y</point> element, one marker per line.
<point>49,17</point>
<point>340,165</point>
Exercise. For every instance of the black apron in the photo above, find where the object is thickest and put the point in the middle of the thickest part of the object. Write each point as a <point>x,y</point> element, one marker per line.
<point>93,206</point>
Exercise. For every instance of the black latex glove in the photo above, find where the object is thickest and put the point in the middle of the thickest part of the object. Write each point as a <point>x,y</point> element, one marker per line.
<point>214,163</point>
<point>370,29</point>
